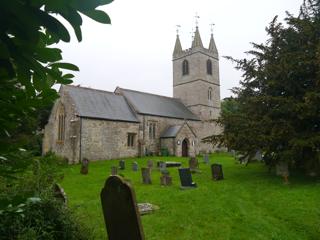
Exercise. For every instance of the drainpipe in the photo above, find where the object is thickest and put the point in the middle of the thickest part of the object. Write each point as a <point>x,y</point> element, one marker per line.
<point>80,141</point>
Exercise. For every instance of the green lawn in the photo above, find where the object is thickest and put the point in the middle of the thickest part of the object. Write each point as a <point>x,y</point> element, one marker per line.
<point>249,204</point>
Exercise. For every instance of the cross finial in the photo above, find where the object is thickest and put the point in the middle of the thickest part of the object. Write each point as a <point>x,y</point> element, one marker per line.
<point>196,19</point>
<point>177,30</point>
<point>211,27</point>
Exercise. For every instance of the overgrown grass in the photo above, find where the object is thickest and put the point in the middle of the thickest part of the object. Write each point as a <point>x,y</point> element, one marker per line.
<point>249,204</point>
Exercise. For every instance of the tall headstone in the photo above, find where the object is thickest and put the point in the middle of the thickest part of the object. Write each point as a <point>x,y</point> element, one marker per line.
<point>146,175</point>
<point>162,167</point>
<point>84,166</point>
<point>206,158</point>
<point>120,211</point>
<point>114,170</point>
<point>122,165</point>
<point>193,164</point>
<point>135,166</point>
<point>216,171</point>
<point>150,164</point>
<point>165,179</point>
<point>186,178</point>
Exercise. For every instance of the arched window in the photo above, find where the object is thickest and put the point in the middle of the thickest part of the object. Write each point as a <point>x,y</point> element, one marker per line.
<point>209,67</point>
<point>210,94</point>
<point>185,67</point>
<point>61,123</point>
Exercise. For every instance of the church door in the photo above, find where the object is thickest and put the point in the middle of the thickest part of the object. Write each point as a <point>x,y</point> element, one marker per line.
<point>185,148</point>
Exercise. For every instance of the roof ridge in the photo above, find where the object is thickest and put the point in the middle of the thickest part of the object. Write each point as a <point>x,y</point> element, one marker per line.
<point>158,95</point>
<point>88,88</point>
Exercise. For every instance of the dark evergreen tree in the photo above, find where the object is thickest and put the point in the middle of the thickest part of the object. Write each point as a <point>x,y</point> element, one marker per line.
<point>278,101</point>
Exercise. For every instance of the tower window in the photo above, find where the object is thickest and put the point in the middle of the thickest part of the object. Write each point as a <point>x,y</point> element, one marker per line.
<point>209,67</point>
<point>210,94</point>
<point>185,67</point>
<point>61,123</point>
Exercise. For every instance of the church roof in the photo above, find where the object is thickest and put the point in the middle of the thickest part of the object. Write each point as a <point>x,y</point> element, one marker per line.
<point>100,104</point>
<point>171,131</point>
<point>156,105</point>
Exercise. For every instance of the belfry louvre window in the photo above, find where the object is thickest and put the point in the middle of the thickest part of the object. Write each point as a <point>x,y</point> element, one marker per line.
<point>131,138</point>
<point>185,67</point>
<point>61,124</point>
<point>152,130</point>
<point>209,67</point>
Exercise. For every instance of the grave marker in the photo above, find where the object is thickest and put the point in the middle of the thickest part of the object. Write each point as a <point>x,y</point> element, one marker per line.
<point>165,178</point>
<point>146,175</point>
<point>150,164</point>
<point>135,166</point>
<point>120,211</point>
<point>84,166</point>
<point>193,164</point>
<point>122,165</point>
<point>186,178</point>
<point>216,171</point>
<point>206,158</point>
<point>114,170</point>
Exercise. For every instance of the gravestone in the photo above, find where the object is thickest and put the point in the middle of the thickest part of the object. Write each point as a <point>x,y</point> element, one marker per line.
<point>150,164</point>
<point>146,175</point>
<point>193,164</point>
<point>135,166</point>
<point>165,178</point>
<point>122,165</point>
<point>216,171</point>
<point>84,166</point>
<point>59,193</point>
<point>114,170</point>
<point>173,164</point>
<point>120,211</point>
<point>206,158</point>
<point>186,178</point>
<point>162,167</point>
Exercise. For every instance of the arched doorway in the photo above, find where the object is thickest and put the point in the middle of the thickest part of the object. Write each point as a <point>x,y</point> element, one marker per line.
<point>185,148</point>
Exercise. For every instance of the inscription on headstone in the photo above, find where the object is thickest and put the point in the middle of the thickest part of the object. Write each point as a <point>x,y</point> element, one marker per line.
<point>122,165</point>
<point>216,171</point>
<point>84,166</point>
<point>146,175</point>
<point>186,178</point>
<point>120,211</point>
<point>114,170</point>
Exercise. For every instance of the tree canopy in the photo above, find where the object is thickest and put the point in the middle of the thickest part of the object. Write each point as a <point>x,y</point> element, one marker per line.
<point>30,62</point>
<point>276,108</point>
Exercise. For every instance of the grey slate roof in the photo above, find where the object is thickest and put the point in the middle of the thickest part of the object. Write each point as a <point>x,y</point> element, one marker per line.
<point>151,104</point>
<point>171,131</point>
<point>100,104</point>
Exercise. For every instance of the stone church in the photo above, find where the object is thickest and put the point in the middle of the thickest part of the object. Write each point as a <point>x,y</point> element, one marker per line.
<point>95,124</point>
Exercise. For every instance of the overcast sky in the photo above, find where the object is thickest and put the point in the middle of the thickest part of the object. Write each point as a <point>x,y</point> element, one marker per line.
<point>135,51</point>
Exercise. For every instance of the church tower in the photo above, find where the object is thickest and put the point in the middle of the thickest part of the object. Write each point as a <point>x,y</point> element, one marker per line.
<point>196,77</point>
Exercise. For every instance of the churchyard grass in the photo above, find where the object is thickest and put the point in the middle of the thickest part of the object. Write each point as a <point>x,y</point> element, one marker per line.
<point>249,203</point>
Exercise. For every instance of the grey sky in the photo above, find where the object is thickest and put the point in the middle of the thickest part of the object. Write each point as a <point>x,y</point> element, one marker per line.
<point>135,51</point>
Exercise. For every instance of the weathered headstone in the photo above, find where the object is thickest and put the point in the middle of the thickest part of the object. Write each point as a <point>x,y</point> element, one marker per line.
<point>150,164</point>
<point>135,166</point>
<point>173,164</point>
<point>147,208</point>
<point>162,167</point>
<point>120,211</point>
<point>84,166</point>
<point>122,165</point>
<point>146,175</point>
<point>193,164</point>
<point>258,156</point>
<point>59,193</point>
<point>186,178</point>
<point>114,170</point>
<point>206,158</point>
<point>216,171</point>
<point>165,178</point>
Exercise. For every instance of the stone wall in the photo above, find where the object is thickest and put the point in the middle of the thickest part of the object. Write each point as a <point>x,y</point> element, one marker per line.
<point>102,139</point>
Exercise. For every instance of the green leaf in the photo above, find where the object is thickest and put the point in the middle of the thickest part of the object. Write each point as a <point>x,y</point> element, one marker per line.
<point>48,54</point>
<point>68,75</point>
<point>68,66</point>
<point>98,15</point>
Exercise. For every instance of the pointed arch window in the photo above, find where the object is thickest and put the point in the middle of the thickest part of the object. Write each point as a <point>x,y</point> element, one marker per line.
<point>185,67</point>
<point>210,94</point>
<point>209,67</point>
<point>61,123</point>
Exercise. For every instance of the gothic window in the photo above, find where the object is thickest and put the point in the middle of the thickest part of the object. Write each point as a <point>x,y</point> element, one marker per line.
<point>209,67</point>
<point>210,94</point>
<point>131,138</point>
<point>61,123</point>
<point>152,130</point>
<point>185,67</point>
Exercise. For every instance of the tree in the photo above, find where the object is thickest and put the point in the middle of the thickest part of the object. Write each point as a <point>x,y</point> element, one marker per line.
<point>30,64</point>
<point>278,108</point>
